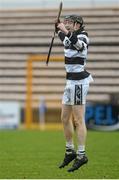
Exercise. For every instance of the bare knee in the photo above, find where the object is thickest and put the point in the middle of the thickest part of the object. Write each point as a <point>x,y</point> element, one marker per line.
<point>65,118</point>
<point>65,115</point>
<point>78,122</point>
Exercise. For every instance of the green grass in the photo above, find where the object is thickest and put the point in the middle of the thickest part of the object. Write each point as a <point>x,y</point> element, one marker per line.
<point>36,155</point>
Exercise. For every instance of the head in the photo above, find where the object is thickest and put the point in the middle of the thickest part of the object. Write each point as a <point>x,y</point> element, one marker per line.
<point>73,22</point>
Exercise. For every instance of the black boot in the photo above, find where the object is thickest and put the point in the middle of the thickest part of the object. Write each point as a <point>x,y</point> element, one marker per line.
<point>70,155</point>
<point>78,162</point>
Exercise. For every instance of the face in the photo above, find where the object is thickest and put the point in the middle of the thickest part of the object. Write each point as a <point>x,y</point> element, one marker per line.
<point>70,25</point>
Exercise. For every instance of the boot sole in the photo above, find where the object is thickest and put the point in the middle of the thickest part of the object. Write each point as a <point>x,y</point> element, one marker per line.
<point>72,170</point>
<point>66,164</point>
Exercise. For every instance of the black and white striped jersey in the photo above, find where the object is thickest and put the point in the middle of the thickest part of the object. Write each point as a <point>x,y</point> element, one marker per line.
<point>75,51</point>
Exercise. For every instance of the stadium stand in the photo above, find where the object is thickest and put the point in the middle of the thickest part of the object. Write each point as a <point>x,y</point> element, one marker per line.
<point>28,32</point>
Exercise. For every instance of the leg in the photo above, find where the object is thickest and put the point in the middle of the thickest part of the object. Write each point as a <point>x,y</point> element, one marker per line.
<point>78,109</point>
<point>67,123</point>
<point>79,120</point>
<point>81,131</point>
<point>68,132</point>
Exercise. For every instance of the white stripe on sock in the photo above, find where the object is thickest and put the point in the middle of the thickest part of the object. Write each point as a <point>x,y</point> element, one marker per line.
<point>69,145</point>
<point>81,150</point>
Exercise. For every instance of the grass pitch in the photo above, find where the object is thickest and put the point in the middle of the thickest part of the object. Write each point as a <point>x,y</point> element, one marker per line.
<point>36,155</point>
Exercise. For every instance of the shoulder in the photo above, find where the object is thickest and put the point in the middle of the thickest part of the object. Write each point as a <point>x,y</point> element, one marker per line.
<point>83,36</point>
<point>81,31</point>
<point>84,33</point>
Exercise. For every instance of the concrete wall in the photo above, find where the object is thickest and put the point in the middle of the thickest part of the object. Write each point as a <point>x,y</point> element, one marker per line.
<point>6,4</point>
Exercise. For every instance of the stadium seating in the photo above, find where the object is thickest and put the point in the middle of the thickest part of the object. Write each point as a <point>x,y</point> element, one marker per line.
<point>24,33</point>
